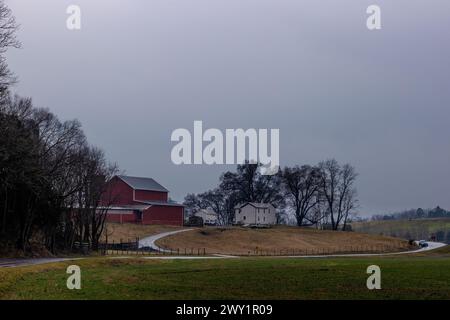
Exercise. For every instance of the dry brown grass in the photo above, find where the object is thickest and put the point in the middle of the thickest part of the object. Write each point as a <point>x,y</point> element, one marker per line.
<point>129,231</point>
<point>244,241</point>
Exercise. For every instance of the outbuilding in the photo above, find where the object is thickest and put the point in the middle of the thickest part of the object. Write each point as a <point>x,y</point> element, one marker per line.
<point>140,200</point>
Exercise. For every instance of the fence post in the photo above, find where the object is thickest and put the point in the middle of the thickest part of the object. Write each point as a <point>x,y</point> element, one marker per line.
<point>106,245</point>
<point>137,245</point>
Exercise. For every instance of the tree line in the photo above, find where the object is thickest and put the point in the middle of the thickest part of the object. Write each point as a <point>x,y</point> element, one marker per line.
<point>418,213</point>
<point>323,194</point>
<point>51,178</point>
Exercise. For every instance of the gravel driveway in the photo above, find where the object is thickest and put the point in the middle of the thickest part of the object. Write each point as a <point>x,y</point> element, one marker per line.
<point>149,242</point>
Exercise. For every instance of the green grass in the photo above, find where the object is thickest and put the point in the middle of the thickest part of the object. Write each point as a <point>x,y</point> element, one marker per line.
<point>419,277</point>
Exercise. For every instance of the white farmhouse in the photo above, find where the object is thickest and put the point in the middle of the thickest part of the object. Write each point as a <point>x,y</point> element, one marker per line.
<point>209,217</point>
<point>253,213</point>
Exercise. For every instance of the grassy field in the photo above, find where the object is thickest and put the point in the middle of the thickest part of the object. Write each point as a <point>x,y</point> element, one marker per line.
<point>244,241</point>
<point>425,276</point>
<point>408,229</point>
<point>129,231</point>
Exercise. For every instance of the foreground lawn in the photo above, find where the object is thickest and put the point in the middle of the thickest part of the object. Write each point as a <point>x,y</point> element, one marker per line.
<point>426,277</point>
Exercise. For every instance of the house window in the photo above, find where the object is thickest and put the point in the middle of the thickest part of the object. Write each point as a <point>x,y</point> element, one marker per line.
<point>264,219</point>
<point>244,217</point>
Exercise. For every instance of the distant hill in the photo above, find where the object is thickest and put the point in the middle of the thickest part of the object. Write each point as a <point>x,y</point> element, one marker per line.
<point>418,213</point>
<point>408,228</point>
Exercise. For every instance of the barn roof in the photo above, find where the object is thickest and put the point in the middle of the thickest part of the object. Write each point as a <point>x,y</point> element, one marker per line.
<point>161,203</point>
<point>139,207</point>
<point>139,183</point>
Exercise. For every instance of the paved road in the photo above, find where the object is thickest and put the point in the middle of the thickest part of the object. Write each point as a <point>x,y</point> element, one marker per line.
<point>431,246</point>
<point>8,263</point>
<point>149,242</point>
<point>214,256</point>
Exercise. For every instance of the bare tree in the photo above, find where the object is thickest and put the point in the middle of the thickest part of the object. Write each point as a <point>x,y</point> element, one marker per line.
<point>8,28</point>
<point>193,203</point>
<point>337,188</point>
<point>350,204</point>
<point>301,188</point>
<point>221,202</point>
<point>47,170</point>
<point>249,185</point>
<point>94,197</point>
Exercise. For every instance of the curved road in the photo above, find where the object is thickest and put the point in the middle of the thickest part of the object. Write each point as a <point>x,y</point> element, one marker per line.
<point>149,242</point>
<point>8,263</point>
<point>431,246</point>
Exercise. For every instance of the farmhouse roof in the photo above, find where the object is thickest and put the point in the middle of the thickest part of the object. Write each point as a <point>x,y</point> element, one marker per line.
<point>139,183</point>
<point>260,205</point>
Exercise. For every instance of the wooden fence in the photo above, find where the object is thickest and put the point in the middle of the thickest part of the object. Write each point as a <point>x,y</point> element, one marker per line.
<point>132,248</point>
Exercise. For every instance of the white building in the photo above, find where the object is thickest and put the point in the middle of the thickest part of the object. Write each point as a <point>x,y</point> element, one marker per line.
<point>252,213</point>
<point>209,217</point>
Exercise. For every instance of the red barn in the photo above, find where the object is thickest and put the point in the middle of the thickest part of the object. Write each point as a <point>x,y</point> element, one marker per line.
<point>141,200</point>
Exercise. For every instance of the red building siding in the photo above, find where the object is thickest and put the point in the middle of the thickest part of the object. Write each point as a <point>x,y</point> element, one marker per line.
<point>121,216</point>
<point>118,193</point>
<point>165,215</point>
<point>150,195</point>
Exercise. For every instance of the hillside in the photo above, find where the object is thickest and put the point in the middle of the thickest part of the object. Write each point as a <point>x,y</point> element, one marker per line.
<point>408,229</point>
<point>128,232</point>
<point>279,240</point>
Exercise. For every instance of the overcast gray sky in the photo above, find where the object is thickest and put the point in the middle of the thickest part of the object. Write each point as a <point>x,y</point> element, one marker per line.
<point>138,69</point>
